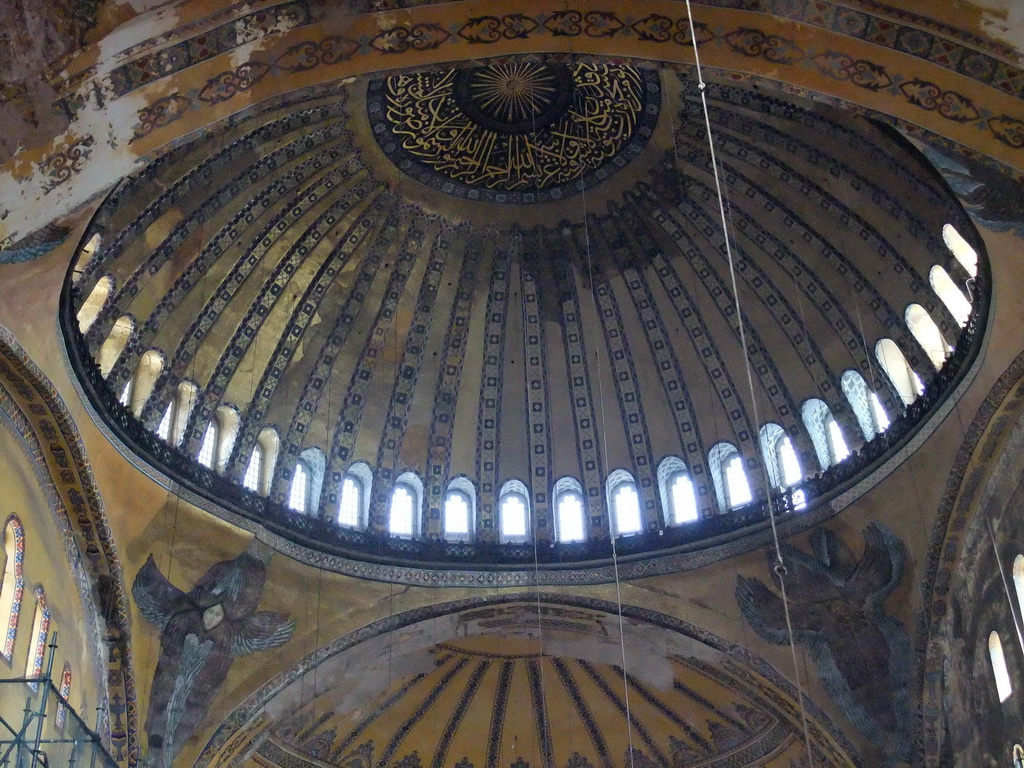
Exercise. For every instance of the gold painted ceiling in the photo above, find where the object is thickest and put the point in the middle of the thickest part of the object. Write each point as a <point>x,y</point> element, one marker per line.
<point>316,272</point>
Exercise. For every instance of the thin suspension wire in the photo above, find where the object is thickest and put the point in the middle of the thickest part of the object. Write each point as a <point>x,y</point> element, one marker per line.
<point>780,566</point>
<point>1006,584</point>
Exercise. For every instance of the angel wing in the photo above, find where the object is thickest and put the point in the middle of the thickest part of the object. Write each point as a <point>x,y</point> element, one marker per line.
<point>833,552</point>
<point>261,632</point>
<point>766,614</point>
<point>154,594</point>
<point>880,568</point>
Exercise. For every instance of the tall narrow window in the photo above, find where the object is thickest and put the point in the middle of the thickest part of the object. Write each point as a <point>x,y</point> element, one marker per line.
<point>13,586</point>
<point>126,394</point>
<point>1018,582</point>
<point>961,249</point>
<point>684,500</point>
<point>736,483</point>
<point>927,334</point>
<point>254,469</point>
<point>896,367</point>
<point>790,464</point>
<point>298,494</point>
<point>837,442</point>
<point>999,671</point>
<point>94,303</point>
<point>779,456</point>
<point>400,514</point>
<point>208,449</point>
<point>144,379</point>
<point>624,503</point>
<point>456,515</point>
<point>881,417</point>
<point>184,402</point>
<point>40,633</point>
<point>354,496</point>
<point>351,502</point>
<point>570,510</point>
<point>957,304</point>
<point>513,513</point>
<point>115,343</point>
<point>65,692</point>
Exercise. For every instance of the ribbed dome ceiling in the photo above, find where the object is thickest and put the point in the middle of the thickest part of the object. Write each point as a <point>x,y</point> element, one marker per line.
<point>313,266</point>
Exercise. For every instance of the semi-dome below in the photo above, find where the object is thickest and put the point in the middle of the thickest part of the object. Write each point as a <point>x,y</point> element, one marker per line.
<point>508,339</point>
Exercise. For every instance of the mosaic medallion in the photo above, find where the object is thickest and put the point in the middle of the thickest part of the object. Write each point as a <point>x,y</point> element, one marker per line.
<point>515,132</point>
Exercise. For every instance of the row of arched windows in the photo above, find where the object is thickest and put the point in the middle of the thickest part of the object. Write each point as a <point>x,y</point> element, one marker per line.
<point>12,589</point>
<point>727,466</point>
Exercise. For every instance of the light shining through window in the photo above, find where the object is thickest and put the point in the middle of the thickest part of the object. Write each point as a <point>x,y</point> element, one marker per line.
<point>298,496</point>
<point>400,519</point>
<point>570,518</point>
<point>835,436</point>
<point>164,430</point>
<point>209,446</point>
<point>252,471</point>
<point>513,516</point>
<point>456,514</point>
<point>881,417</point>
<point>626,504</point>
<point>348,509</point>
<point>684,501</point>
<point>788,462</point>
<point>736,482</point>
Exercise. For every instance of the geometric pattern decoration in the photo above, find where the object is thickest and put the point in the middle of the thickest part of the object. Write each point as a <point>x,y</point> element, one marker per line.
<point>15,570</point>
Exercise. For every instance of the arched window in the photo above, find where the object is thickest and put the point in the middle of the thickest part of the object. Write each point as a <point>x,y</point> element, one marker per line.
<point>114,344</point>
<point>951,295</point>
<point>94,302</point>
<point>13,586</point>
<point>513,513</point>
<point>87,253</point>
<point>227,419</point>
<point>354,504</point>
<point>678,497</point>
<point>125,398</point>
<point>459,511</point>
<point>570,511</point>
<point>404,509</point>
<point>208,448</point>
<point>179,408</point>
<point>731,484</point>
<point>927,334</point>
<point>624,504</point>
<point>146,372</point>
<point>865,404</point>
<point>906,381</point>
<point>827,437</point>
<point>298,493</point>
<point>999,671</point>
<point>253,477</point>
<point>961,249</point>
<point>65,692</point>
<point>163,430</point>
<point>780,457</point>
<point>40,634</point>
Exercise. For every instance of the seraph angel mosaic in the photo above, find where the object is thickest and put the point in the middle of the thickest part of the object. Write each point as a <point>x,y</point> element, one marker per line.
<point>837,607</point>
<point>202,632</point>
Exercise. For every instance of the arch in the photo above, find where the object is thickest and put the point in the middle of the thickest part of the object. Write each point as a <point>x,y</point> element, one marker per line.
<point>459,514</point>
<point>826,435</point>
<point>179,408</point>
<point>624,511</point>
<point>94,302</point>
<point>354,504</point>
<point>307,482</point>
<point>207,455</point>
<point>570,511</point>
<point>13,586</point>
<point>88,252</point>
<point>927,334</point>
<point>864,403</point>
<point>39,636</point>
<point>65,692</point>
<point>115,342</point>
<point>950,294</point>
<point>678,497</point>
<point>513,513</point>
<point>142,381</point>
<point>253,477</point>
<point>228,420</point>
<point>779,457</point>
<point>904,379</point>
<point>961,249</point>
<point>405,506</point>
<point>999,672</point>
<point>730,476</point>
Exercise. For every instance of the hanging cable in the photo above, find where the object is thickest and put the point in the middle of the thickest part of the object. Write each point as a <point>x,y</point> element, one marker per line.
<point>780,565</point>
